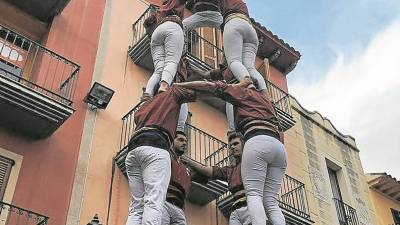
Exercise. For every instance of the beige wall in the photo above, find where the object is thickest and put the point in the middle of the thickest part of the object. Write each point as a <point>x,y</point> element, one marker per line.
<point>313,144</point>
<point>102,128</point>
<point>382,205</point>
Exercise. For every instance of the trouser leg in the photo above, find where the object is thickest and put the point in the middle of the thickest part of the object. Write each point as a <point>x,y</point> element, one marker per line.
<point>174,42</point>
<point>273,183</point>
<point>234,218</point>
<point>230,117</point>
<point>253,175</point>
<point>233,46</point>
<point>261,154</point>
<point>183,114</point>
<point>166,215</point>
<point>178,217</point>
<point>158,55</point>
<point>250,47</point>
<point>136,187</point>
<point>203,19</point>
<point>240,216</point>
<point>150,167</point>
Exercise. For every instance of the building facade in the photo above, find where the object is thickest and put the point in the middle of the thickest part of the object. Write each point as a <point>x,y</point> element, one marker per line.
<point>385,196</point>
<point>48,50</point>
<point>64,160</point>
<point>124,64</point>
<point>328,163</point>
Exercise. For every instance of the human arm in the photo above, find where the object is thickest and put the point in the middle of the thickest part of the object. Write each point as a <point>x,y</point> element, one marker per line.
<point>205,86</point>
<point>199,168</point>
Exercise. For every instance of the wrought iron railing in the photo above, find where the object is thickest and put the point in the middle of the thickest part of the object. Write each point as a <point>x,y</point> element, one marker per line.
<point>13,215</point>
<point>200,143</point>
<point>205,52</point>
<point>139,32</point>
<point>347,215</point>
<point>206,55</point>
<point>279,97</point>
<point>292,195</point>
<point>30,64</point>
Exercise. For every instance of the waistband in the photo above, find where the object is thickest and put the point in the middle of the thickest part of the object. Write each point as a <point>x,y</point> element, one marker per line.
<point>202,6</point>
<point>237,15</point>
<point>151,137</point>
<point>172,18</point>
<point>257,132</point>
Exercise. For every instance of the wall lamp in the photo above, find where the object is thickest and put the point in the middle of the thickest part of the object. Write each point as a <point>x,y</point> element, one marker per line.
<point>99,96</point>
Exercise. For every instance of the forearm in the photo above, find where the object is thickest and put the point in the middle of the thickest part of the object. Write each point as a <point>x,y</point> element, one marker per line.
<point>205,86</point>
<point>203,170</point>
<point>197,74</point>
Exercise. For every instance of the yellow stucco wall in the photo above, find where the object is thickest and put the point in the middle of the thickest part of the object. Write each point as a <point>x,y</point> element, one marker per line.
<point>102,131</point>
<point>382,205</point>
<point>103,128</point>
<point>312,144</point>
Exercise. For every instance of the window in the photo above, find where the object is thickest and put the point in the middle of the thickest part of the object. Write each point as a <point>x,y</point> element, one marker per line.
<point>396,216</point>
<point>5,169</point>
<point>334,184</point>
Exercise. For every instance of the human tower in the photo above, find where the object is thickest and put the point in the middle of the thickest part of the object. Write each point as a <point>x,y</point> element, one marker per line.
<point>158,172</point>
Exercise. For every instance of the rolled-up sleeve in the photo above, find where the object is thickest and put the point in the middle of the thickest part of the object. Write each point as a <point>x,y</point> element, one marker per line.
<point>228,92</point>
<point>220,173</point>
<point>183,95</point>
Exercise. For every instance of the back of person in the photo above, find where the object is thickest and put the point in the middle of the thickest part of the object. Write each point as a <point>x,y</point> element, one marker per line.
<point>233,6</point>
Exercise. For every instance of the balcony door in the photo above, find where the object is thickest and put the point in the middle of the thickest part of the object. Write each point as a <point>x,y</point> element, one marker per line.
<point>212,41</point>
<point>337,197</point>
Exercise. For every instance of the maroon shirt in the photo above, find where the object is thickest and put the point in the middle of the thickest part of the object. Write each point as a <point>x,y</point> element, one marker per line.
<point>223,73</point>
<point>184,70</point>
<point>180,180</point>
<point>249,105</point>
<point>163,110</point>
<point>233,6</point>
<point>170,8</point>
<point>232,175</point>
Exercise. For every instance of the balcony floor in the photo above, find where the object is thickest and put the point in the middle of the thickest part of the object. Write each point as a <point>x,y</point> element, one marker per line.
<point>28,112</point>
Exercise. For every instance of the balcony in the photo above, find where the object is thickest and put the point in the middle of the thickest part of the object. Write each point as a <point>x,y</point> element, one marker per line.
<point>347,215</point>
<point>36,86</point>
<point>200,145</point>
<point>292,196</point>
<point>204,55</point>
<point>13,215</point>
<point>41,10</point>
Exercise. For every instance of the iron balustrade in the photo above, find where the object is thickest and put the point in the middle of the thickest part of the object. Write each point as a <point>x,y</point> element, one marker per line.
<point>14,215</point>
<point>206,55</point>
<point>200,143</point>
<point>203,50</point>
<point>26,62</point>
<point>292,195</point>
<point>139,32</point>
<point>347,215</point>
<point>279,97</point>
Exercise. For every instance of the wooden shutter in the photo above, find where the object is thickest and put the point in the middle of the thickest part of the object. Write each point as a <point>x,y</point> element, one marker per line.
<point>5,169</point>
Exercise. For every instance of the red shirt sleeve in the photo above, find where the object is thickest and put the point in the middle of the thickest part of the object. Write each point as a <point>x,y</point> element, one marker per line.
<point>229,93</point>
<point>183,95</point>
<point>220,173</point>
